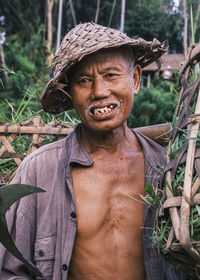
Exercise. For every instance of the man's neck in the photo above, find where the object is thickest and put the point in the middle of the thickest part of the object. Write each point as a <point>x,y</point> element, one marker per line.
<point>111,141</point>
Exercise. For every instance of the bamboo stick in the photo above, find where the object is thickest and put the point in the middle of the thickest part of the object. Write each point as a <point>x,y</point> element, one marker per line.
<point>9,148</point>
<point>173,210</point>
<point>170,238</point>
<point>35,137</point>
<point>195,186</point>
<point>158,133</point>
<point>3,148</point>
<point>12,155</point>
<point>185,207</point>
<point>47,130</point>
<point>176,202</point>
<point>187,72</point>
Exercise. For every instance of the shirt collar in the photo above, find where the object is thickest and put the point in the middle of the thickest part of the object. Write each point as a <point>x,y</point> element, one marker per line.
<point>76,151</point>
<point>154,154</point>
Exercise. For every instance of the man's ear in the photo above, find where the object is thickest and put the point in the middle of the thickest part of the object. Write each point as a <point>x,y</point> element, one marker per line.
<point>137,73</point>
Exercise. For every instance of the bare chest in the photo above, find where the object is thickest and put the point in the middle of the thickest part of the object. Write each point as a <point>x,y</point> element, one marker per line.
<point>108,242</point>
<point>102,195</point>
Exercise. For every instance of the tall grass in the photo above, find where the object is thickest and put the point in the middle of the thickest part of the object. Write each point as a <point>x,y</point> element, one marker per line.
<point>26,108</point>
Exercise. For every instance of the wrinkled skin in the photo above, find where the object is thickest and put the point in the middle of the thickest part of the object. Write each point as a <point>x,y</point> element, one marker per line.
<point>108,244</point>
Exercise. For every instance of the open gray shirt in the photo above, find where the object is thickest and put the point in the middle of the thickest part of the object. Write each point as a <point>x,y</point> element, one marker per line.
<point>43,226</point>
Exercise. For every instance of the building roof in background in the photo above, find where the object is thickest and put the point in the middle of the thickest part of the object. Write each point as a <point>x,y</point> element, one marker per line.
<point>169,62</point>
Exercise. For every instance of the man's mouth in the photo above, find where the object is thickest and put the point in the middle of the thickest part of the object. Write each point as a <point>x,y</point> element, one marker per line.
<point>103,110</point>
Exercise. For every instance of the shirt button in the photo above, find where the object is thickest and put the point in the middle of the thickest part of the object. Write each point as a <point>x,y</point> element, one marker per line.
<point>41,253</point>
<point>73,215</point>
<point>64,267</point>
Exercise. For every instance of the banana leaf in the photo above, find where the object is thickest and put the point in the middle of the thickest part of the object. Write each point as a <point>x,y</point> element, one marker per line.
<point>8,195</point>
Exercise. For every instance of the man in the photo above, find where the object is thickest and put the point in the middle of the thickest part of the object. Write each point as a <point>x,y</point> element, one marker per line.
<point>85,227</point>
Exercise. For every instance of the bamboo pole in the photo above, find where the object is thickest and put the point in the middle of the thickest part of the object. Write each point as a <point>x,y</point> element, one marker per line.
<point>46,130</point>
<point>3,148</point>
<point>158,133</point>
<point>111,14</point>
<point>185,27</point>
<point>9,148</point>
<point>173,210</point>
<point>97,11</point>
<point>196,20</point>
<point>73,12</point>
<point>185,207</point>
<point>59,24</point>
<point>187,72</point>
<point>122,19</point>
<point>35,137</point>
<point>2,61</point>
<point>195,186</point>
<point>49,4</point>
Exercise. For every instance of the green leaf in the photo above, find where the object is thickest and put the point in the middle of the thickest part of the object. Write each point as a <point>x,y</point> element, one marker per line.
<point>154,199</point>
<point>8,195</point>
<point>11,193</point>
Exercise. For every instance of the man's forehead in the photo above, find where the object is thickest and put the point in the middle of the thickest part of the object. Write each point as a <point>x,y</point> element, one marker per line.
<point>110,55</point>
<point>123,51</point>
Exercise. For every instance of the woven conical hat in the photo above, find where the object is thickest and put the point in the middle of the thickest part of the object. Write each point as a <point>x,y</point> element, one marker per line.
<point>81,41</point>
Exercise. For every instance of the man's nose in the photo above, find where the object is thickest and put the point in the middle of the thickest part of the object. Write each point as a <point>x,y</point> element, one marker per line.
<point>99,89</point>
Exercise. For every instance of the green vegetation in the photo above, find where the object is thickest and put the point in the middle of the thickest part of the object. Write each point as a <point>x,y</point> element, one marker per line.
<point>8,195</point>
<point>154,105</point>
<point>24,28</point>
<point>28,49</point>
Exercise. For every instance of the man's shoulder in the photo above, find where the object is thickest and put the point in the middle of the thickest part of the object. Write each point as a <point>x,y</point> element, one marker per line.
<point>153,152</point>
<point>43,161</point>
<point>47,149</point>
<point>47,154</point>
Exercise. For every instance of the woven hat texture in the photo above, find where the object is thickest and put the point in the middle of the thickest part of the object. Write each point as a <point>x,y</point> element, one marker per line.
<point>81,41</point>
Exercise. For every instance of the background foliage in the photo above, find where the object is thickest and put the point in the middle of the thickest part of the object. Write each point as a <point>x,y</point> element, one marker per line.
<point>24,29</point>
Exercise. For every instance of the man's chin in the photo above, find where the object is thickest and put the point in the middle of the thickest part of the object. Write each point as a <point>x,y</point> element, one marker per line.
<point>104,128</point>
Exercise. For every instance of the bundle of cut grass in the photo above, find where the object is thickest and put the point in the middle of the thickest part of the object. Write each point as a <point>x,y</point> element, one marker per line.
<point>177,231</point>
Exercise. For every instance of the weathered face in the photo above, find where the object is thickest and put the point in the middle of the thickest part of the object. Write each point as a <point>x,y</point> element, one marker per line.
<point>102,89</point>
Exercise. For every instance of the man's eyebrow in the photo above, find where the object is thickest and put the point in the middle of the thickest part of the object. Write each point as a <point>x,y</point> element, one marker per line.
<point>111,68</point>
<point>82,74</point>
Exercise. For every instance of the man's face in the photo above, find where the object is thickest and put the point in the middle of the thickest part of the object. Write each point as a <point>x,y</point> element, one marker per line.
<point>102,89</point>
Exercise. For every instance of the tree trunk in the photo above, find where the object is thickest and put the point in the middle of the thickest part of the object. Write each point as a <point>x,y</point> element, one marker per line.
<point>123,4</point>
<point>196,19</point>
<point>59,24</point>
<point>111,14</point>
<point>185,26</point>
<point>49,5</point>
<point>72,11</point>
<point>97,11</point>
<point>3,64</point>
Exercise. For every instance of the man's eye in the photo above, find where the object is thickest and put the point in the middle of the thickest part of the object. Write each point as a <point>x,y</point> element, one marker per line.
<point>83,81</point>
<point>111,75</point>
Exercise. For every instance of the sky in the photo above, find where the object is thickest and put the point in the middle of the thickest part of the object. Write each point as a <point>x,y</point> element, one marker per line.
<point>176,2</point>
